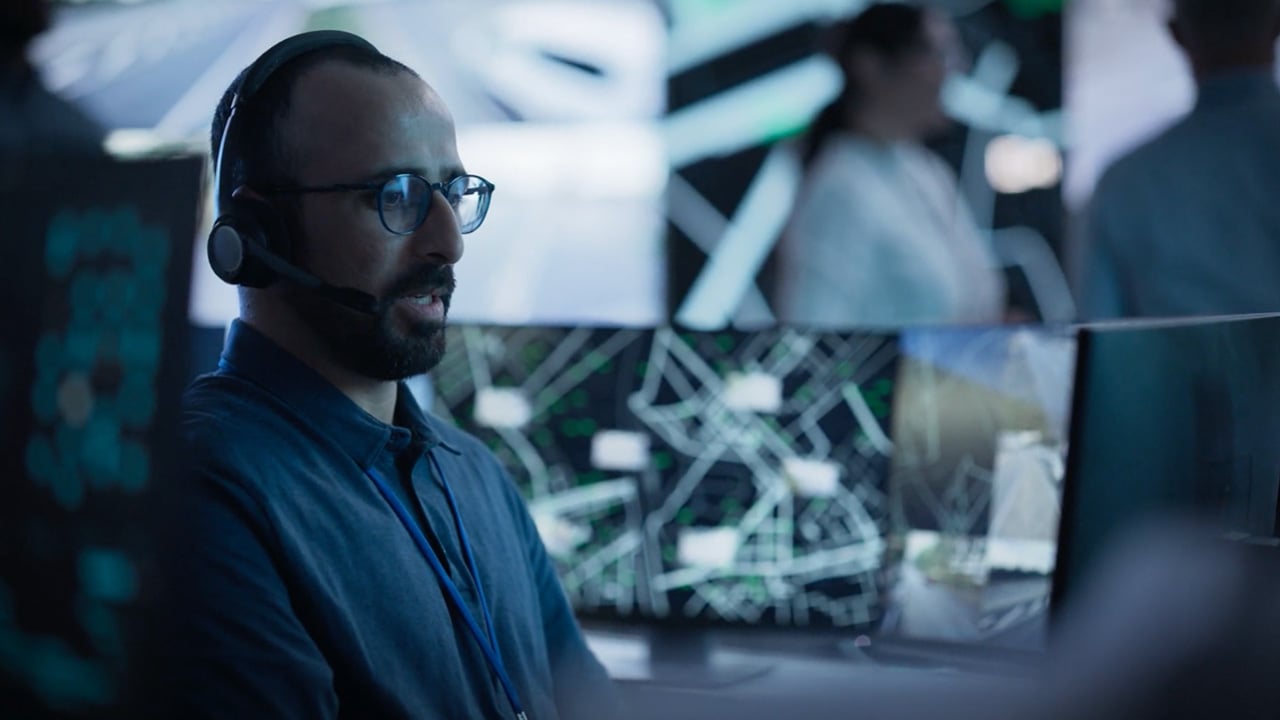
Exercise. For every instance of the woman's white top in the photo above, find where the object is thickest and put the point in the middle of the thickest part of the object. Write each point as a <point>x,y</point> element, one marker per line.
<point>881,236</point>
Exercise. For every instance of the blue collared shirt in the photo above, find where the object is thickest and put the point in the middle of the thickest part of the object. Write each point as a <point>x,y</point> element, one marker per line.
<point>301,595</point>
<point>1189,223</point>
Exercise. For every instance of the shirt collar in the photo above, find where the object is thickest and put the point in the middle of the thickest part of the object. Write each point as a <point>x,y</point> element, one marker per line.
<point>250,355</point>
<point>1233,86</point>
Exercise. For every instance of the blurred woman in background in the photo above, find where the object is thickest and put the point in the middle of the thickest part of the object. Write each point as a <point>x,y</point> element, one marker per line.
<point>880,234</point>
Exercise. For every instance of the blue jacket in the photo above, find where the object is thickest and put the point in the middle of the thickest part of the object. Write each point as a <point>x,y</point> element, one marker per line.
<point>1188,223</point>
<point>299,594</point>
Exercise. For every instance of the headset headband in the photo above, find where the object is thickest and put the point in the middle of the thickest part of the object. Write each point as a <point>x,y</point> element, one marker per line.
<point>288,49</point>
<point>262,69</point>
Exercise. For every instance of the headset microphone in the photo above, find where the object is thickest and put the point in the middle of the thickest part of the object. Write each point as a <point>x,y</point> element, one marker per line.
<point>361,302</point>
<point>348,297</point>
<point>226,254</point>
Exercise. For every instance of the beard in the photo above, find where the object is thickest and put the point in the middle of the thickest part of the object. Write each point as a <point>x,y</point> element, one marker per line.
<point>370,344</point>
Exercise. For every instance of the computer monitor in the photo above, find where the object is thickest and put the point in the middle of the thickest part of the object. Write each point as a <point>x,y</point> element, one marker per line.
<point>552,404</point>
<point>1171,417</point>
<point>95,288</point>
<point>980,424</point>
<point>558,104</point>
<point>773,509</point>
<point>692,479</point>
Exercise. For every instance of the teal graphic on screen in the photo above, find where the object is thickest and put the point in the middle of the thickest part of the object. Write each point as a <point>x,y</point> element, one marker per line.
<point>93,399</point>
<point>98,279</point>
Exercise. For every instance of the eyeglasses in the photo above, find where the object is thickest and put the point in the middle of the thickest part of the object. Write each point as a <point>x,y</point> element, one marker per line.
<point>405,199</point>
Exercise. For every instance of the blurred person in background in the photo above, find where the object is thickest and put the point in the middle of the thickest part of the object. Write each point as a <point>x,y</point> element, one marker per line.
<point>880,234</point>
<point>1188,223</point>
<point>32,119</point>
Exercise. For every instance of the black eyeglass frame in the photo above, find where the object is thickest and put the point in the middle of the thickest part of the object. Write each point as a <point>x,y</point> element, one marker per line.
<point>485,187</point>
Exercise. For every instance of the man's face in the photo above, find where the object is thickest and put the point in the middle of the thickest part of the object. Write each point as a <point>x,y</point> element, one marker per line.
<point>348,124</point>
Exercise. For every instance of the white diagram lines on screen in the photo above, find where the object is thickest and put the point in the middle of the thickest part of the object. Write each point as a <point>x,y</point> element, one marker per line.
<point>741,251</point>
<point>574,374</point>
<point>552,367</point>
<point>535,467</point>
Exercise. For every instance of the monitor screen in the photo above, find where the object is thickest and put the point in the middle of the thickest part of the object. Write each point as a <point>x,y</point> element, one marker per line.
<point>556,103</point>
<point>685,477</point>
<point>91,368</point>
<point>979,438</point>
<point>1171,417</point>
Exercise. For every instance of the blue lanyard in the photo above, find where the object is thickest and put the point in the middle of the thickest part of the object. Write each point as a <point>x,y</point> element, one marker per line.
<point>488,646</point>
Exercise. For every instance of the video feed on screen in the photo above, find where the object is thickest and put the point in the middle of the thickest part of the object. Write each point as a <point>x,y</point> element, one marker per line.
<point>556,103</point>
<point>725,478</point>
<point>980,438</point>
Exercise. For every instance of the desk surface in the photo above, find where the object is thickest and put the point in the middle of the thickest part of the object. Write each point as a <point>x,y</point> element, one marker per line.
<point>765,674</point>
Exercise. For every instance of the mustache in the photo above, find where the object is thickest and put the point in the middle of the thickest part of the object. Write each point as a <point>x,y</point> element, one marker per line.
<point>422,279</point>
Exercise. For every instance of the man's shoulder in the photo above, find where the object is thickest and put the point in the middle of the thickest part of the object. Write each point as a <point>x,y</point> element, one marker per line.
<point>1159,157</point>
<point>225,417</point>
<point>217,398</point>
<point>1144,161</point>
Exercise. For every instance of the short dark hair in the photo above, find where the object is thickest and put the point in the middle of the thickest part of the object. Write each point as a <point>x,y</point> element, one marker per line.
<point>1223,24</point>
<point>255,154</point>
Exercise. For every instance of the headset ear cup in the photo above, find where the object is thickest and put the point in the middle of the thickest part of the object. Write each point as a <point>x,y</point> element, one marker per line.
<point>246,227</point>
<point>227,251</point>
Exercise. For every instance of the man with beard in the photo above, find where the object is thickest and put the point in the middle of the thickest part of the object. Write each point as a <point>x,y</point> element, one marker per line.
<point>342,553</point>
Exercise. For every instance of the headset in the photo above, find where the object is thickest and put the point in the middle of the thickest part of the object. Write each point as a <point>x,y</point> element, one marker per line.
<point>249,243</point>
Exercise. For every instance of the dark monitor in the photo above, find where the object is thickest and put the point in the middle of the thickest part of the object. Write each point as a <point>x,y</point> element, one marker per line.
<point>95,283</point>
<point>1171,417</point>
<point>980,425</point>
<point>692,479</point>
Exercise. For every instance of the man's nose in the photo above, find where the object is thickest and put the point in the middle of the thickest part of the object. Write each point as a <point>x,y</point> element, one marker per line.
<point>439,240</point>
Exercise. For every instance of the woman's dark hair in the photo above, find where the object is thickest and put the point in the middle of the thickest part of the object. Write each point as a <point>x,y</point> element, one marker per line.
<point>887,29</point>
